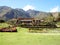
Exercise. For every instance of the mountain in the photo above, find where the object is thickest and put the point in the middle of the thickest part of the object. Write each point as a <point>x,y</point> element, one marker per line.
<point>38,14</point>
<point>32,13</point>
<point>16,14</point>
<point>4,10</point>
<point>9,13</point>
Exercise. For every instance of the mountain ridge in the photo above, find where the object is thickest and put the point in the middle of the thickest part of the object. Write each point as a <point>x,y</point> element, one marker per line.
<point>10,13</point>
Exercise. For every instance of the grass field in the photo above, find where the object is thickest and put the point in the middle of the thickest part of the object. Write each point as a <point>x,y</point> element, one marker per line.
<point>23,37</point>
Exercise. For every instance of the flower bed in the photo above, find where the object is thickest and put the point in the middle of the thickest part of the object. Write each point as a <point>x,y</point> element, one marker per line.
<point>8,29</point>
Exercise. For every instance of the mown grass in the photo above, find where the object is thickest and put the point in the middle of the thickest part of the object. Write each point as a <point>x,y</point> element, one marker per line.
<point>23,37</point>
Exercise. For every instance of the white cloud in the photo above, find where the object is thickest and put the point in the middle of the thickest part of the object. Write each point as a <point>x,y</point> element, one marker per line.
<point>55,9</point>
<point>27,7</point>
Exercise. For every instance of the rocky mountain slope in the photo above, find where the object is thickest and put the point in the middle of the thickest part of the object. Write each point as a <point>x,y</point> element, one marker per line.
<point>9,13</point>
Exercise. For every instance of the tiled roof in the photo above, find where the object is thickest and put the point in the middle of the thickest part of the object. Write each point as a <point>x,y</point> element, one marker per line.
<point>25,18</point>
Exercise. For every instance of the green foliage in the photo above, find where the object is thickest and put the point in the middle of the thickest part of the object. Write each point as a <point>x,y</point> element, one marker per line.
<point>49,19</point>
<point>58,23</point>
<point>12,21</point>
<point>2,25</point>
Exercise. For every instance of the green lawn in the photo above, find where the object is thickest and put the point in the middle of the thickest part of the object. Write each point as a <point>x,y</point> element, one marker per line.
<point>23,37</point>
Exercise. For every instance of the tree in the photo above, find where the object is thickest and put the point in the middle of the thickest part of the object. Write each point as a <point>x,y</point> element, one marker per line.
<point>12,21</point>
<point>49,19</point>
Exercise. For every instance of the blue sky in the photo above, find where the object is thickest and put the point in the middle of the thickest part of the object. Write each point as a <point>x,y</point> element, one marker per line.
<point>41,5</point>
